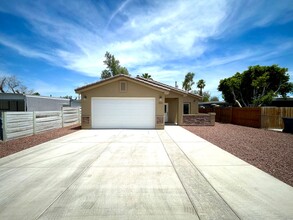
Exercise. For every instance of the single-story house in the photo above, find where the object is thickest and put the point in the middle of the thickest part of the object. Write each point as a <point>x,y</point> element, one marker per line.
<point>126,102</point>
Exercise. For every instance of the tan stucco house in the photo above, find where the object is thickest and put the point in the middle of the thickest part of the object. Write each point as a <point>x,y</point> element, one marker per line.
<point>126,102</point>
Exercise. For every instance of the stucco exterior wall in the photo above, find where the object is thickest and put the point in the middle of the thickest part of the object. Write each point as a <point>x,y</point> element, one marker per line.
<point>193,104</point>
<point>176,102</point>
<point>173,110</point>
<point>112,89</point>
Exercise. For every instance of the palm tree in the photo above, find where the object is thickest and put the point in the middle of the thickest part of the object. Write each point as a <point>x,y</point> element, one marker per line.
<point>146,76</point>
<point>188,81</point>
<point>201,84</point>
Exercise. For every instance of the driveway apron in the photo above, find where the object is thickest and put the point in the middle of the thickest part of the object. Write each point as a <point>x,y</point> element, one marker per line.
<point>137,174</point>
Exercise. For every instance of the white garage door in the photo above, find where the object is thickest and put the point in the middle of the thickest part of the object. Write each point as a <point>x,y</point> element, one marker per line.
<point>123,112</point>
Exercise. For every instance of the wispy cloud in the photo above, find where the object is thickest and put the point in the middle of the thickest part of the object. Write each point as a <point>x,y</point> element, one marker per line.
<point>24,50</point>
<point>146,39</point>
<point>120,8</point>
<point>166,32</point>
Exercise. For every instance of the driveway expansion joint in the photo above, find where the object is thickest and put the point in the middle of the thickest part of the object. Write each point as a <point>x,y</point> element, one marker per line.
<point>207,202</point>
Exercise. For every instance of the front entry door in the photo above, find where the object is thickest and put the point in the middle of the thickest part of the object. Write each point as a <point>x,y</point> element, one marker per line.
<point>166,110</point>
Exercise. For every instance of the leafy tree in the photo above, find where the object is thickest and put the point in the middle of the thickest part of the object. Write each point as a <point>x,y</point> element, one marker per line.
<point>146,76</point>
<point>214,99</point>
<point>230,88</point>
<point>10,84</point>
<point>188,81</point>
<point>256,86</point>
<point>113,67</point>
<point>206,96</point>
<point>201,84</point>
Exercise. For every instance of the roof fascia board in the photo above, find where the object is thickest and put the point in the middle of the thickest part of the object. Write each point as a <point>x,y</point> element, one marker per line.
<point>173,89</point>
<point>117,78</point>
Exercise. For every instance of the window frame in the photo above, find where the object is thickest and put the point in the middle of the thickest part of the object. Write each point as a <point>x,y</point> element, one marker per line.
<point>189,108</point>
<point>120,86</point>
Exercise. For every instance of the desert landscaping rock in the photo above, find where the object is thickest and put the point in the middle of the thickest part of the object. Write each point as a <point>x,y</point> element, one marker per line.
<point>269,151</point>
<point>13,146</point>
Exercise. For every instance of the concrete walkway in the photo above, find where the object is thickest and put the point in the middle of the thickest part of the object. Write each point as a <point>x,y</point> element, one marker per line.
<point>137,174</point>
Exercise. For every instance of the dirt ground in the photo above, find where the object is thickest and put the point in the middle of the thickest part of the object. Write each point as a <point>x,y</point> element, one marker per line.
<point>13,146</point>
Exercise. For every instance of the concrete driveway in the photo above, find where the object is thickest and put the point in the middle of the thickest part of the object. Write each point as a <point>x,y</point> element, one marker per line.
<point>137,174</point>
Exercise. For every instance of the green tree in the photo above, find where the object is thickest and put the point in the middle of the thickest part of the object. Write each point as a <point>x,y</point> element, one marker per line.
<point>113,67</point>
<point>214,99</point>
<point>256,86</point>
<point>206,96</point>
<point>201,84</point>
<point>146,76</point>
<point>188,81</point>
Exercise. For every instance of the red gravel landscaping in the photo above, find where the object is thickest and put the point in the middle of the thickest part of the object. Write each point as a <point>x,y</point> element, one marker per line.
<point>13,146</point>
<point>270,151</point>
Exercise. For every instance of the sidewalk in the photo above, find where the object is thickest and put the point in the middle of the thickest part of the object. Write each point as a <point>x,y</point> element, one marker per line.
<point>250,192</point>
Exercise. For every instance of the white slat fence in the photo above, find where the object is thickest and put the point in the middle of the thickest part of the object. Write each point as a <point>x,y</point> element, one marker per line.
<point>21,124</point>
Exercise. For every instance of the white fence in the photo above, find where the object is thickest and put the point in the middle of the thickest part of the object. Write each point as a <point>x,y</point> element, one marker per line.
<point>20,124</point>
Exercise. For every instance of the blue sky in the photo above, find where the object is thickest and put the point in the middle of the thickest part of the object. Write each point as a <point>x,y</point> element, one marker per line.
<point>56,46</point>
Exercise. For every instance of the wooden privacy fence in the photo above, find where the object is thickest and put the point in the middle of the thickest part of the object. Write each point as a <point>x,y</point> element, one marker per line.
<point>261,117</point>
<point>271,117</point>
<point>20,124</point>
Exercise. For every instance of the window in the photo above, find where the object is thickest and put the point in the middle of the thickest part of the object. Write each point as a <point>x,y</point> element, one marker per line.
<point>123,86</point>
<point>4,105</point>
<point>186,108</point>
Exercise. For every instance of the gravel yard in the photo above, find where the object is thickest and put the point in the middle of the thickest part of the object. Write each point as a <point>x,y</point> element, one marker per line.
<point>270,151</point>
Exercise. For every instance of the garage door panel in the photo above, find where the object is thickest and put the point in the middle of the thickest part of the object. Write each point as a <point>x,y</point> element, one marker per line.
<point>123,112</point>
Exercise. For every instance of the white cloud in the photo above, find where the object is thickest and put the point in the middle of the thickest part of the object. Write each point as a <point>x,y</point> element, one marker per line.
<point>147,39</point>
<point>168,31</point>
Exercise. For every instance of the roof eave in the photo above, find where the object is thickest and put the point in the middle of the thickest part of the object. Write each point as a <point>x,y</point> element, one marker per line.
<point>119,77</point>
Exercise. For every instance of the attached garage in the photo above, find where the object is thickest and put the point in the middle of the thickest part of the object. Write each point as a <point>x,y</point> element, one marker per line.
<point>121,112</point>
<point>122,101</point>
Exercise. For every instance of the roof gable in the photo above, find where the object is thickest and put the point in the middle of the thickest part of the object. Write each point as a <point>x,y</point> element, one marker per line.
<point>121,77</point>
<point>173,89</point>
<point>139,80</point>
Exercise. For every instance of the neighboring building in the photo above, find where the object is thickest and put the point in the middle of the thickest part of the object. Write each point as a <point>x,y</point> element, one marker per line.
<point>125,102</point>
<point>281,102</point>
<point>20,102</point>
<point>12,102</point>
<point>213,104</point>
